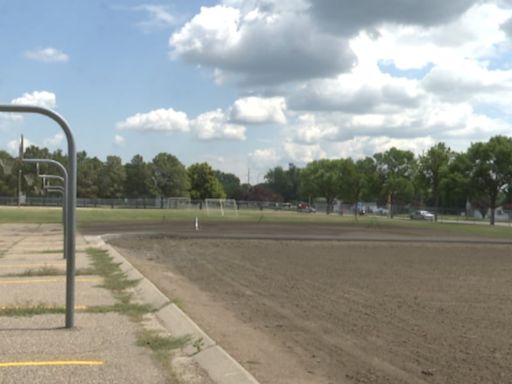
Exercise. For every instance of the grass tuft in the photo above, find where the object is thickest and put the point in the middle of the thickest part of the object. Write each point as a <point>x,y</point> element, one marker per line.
<point>114,279</point>
<point>31,310</point>
<point>160,344</point>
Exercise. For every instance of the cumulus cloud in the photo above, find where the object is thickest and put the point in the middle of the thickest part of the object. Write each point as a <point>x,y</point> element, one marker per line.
<point>336,77</point>
<point>303,153</point>
<point>39,98</point>
<point>159,120</point>
<point>258,110</point>
<point>349,17</point>
<point>214,125</point>
<point>54,141</point>
<point>264,157</point>
<point>13,146</point>
<point>259,45</point>
<point>47,55</point>
<point>363,146</point>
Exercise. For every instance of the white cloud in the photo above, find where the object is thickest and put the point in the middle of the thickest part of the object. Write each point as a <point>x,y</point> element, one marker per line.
<point>214,125</point>
<point>258,110</point>
<point>119,140</point>
<point>264,157</point>
<point>363,146</point>
<point>54,141</point>
<point>47,55</point>
<point>337,76</point>
<point>159,120</point>
<point>303,153</point>
<point>158,17</point>
<point>13,146</point>
<point>255,45</point>
<point>39,98</point>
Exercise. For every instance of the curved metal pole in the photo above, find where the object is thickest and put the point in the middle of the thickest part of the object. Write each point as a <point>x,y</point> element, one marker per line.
<point>71,204</point>
<point>54,188</point>
<point>64,172</point>
<point>52,177</point>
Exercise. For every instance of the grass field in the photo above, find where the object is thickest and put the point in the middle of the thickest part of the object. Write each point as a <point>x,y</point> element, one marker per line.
<point>92,215</point>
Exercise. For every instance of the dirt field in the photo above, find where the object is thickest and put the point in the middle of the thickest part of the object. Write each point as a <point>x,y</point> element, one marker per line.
<point>340,311</point>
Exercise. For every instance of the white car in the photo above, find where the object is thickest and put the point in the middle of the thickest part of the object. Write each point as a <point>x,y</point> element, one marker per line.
<point>422,215</point>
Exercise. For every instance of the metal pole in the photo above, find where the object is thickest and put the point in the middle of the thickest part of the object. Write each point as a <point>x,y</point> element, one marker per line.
<point>71,203</point>
<point>65,200</point>
<point>64,178</point>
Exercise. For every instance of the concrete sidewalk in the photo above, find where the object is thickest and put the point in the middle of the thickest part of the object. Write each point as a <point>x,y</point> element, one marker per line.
<point>102,348</point>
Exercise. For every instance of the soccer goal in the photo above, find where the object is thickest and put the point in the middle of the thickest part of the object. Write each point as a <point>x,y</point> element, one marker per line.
<point>222,206</point>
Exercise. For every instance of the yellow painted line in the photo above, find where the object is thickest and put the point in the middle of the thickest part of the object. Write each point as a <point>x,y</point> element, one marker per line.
<point>50,363</point>
<point>46,281</point>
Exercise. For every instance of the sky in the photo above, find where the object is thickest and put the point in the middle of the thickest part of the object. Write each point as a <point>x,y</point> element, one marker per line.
<point>247,85</point>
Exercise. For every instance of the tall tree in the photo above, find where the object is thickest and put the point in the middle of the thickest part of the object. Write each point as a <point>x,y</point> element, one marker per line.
<point>112,178</point>
<point>358,180</point>
<point>322,178</point>
<point>396,169</point>
<point>203,182</point>
<point>492,168</point>
<point>230,183</point>
<point>87,175</point>
<point>433,170</point>
<point>284,182</point>
<point>138,178</point>
<point>169,176</point>
<point>456,186</point>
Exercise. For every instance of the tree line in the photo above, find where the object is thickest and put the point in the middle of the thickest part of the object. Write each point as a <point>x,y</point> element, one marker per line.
<point>440,177</point>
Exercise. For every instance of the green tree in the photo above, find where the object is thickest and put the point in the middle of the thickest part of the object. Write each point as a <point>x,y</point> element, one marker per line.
<point>396,169</point>
<point>203,182</point>
<point>358,180</point>
<point>284,182</point>
<point>169,176</point>
<point>230,183</point>
<point>88,170</point>
<point>433,170</point>
<point>112,178</point>
<point>456,186</point>
<point>322,178</point>
<point>492,168</point>
<point>138,178</point>
<point>8,175</point>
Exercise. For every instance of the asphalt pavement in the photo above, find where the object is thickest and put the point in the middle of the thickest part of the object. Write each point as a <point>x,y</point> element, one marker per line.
<point>35,346</point>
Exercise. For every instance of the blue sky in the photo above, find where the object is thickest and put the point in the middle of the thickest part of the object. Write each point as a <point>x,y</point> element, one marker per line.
<point>257,83</point>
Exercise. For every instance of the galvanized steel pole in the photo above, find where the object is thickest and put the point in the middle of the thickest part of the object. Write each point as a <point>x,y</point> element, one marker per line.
<point>71,203</point>
<point>65,196</point>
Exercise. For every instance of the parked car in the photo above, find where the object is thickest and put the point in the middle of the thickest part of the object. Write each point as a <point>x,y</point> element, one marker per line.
<point>305,207</point>
<point>422,215</point>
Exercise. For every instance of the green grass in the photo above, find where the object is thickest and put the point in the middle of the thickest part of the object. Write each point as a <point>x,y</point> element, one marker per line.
<point>89,216</point>
<point>31,310</point>
<point>50,271</point>
<point>158,343</point>
<point>134,311</point>
<point>113,278</point>
<point>43,271</point>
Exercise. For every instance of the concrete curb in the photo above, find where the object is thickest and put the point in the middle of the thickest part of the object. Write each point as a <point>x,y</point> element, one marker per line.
<point>219,365</point>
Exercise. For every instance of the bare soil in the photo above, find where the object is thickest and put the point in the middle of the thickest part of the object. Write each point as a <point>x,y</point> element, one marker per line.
<point>343,311</point>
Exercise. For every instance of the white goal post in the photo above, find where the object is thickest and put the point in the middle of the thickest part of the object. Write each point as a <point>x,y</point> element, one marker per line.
<point>224,206</point>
